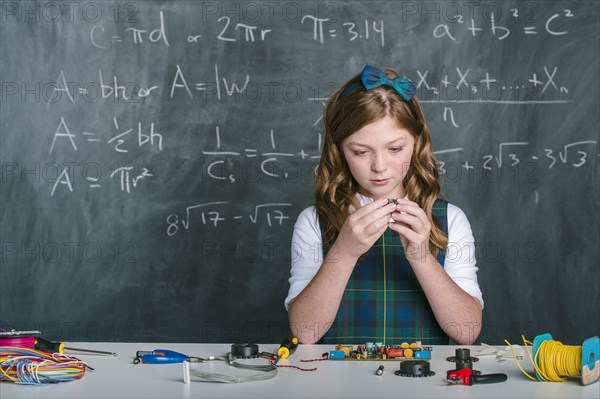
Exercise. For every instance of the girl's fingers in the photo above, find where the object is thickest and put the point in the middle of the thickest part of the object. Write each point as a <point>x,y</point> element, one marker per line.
<point>404,230</point>
<point>411,221</point>
<point>375,223</point>
<point>366,225</point>
<point>373,212</point>
<point>409,207</point>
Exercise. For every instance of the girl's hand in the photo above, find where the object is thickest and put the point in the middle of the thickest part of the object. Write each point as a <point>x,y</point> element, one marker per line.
<point>414,228</point>
<point>364,227</point>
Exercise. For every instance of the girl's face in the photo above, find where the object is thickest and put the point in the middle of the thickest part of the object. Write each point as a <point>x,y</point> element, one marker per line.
<point>379,157</point>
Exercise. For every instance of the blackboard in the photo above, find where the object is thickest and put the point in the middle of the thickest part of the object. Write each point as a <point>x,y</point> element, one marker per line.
<point>156,154</point>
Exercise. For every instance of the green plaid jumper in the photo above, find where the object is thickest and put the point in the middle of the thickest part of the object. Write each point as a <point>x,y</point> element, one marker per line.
<point>383,300</point>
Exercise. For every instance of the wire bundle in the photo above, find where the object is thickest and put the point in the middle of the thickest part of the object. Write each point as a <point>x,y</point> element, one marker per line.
<point>556,361</point>
<point>18,341</point>
<point>31,367</point>
<point>553,361</point>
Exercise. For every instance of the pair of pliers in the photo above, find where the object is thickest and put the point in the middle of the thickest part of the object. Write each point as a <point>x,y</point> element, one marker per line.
<point>163,356</point>
<point>467,377</point>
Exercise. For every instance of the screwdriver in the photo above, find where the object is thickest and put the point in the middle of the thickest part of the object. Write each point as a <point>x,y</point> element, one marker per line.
<point>287,347</point>
<point>45,345</point>
<point>163,356</point>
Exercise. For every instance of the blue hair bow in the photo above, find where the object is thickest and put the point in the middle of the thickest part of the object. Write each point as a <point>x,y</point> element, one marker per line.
<point>373,77</point>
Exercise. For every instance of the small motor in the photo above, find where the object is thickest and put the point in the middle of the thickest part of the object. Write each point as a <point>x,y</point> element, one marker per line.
<point>244,351</point>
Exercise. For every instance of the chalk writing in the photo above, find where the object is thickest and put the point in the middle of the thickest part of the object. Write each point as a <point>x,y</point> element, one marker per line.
<point>213,214</point>
<point>353,30</point>
<point>127,177</point>
<point>459,87</point>
<point>118,141</point>
<point>248,31</point>
<point>575,154</point>
<point>498,31</point>
<point>138,36</point>
<point>267,165</point>
<point>241,32</point>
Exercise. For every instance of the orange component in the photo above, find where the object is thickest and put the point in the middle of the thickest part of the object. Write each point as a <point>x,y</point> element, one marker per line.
<point>394,352</point>
<point>404,345</point>
<point>408,353</point>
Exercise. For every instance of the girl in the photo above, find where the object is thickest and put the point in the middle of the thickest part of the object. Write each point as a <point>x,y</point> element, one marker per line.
<point>380,258</point>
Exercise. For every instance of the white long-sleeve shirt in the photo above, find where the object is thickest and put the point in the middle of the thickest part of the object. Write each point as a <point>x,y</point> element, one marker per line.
<point>307,251</point>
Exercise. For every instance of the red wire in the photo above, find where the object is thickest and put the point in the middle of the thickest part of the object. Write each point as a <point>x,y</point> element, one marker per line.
<point>325,357</point>
<point>293,367</point>
<point>21,342</point>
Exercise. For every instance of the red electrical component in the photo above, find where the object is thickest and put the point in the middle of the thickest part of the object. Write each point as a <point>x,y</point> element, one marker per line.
<point>394,352</point>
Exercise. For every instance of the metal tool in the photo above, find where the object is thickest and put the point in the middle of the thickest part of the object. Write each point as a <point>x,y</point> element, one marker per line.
<point>466,377</point>
<point>269,356</point>
<point>45,345</point>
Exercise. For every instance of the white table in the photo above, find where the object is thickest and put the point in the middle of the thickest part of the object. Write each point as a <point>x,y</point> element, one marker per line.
<point>118,377</point>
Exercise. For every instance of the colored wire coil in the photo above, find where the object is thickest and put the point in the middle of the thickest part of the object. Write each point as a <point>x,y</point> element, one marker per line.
<point>32,367</point>
<point>19,342</point>
<point>553,361</point>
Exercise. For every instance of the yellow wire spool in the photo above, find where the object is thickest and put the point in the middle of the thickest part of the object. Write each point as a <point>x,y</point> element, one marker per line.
<point>556,362</point>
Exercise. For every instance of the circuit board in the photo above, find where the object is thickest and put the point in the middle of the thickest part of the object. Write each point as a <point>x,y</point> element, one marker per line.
<point>379,352</point>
